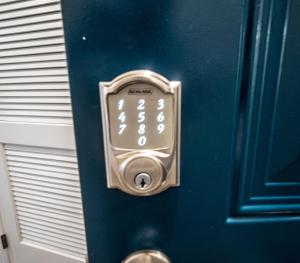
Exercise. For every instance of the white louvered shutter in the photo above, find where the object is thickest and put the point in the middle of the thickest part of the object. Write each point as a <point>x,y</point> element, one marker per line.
<point>40,198</point>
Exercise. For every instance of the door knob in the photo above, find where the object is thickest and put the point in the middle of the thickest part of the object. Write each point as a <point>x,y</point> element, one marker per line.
<point>147,256</point>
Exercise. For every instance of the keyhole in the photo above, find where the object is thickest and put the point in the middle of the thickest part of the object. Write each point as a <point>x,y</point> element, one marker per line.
<point>143,183</point>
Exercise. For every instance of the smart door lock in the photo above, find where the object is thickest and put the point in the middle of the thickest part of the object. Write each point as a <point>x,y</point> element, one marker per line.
<point>141,127</point>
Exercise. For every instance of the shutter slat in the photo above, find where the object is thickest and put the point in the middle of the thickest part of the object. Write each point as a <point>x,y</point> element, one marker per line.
<point>43,79</point>
<point>36,65</point>
<point>37,113</point>
<point>51,100</point>
<point>43,167</point>
<point>30,20</point>
<point>42,161</point>
<point>35,86</point>
<point>56,210</point>
<point>43,228</point>
<point>50,220</point>
<point>34,72</point>
<point>47,202</point>
<point>5,2</point>
<point>46,107</point>
<point>32,51</point>
<point>51,224</point>
<point>41,193</point>
<point>32,35</point>
<point>44,173</point>
<point>33,58</point>
<point>29,11</point>
<point>35,107</point>
<point>47,185</point>
<point>37,178</point>
<point>54,245</point>
<point>36,153</point>
<point>47,93</point>
<point>53,237</point>
<point>73,239</point>
<point>21,113</point>
<point>22,119</point>
<point>26,4</point>
<point>44,189</point>
<point>31,43</point>
<point>30,28</point>
<point>67,219</point>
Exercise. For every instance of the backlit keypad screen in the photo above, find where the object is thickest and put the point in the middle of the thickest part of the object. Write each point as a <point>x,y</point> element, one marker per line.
<point>140,117</point>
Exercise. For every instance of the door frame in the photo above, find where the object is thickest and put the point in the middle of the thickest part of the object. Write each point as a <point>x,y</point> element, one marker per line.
<point>4,255</point>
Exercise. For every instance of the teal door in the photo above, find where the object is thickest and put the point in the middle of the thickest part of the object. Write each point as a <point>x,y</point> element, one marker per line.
<point>239,64</point>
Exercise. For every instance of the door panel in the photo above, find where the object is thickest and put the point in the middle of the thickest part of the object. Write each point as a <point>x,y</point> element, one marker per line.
<point>238,64</point>
<point>269,171</point>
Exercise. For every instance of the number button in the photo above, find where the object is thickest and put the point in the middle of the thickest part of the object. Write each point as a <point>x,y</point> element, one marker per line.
<point>161,104</point>
<point>142,140</point>
<point>122,127</point>
<point>121,117</point>
<point>141,104</point>
<point>160,128</point>
<point>160,117</point>
<point>141,119</point>
<point>141,116</point>
<point>142,129</point>
<point>120,104</point>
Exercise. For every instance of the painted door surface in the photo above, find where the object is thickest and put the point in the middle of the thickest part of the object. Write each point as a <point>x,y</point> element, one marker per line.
<point>239,63</point>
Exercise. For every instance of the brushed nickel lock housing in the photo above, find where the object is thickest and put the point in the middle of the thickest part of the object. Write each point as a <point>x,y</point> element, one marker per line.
<point>141,129</point>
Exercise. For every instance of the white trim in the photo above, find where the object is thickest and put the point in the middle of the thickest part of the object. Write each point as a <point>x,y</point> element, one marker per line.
<point>6,203</point>
<point>3,252</point>
<point>54,136</point>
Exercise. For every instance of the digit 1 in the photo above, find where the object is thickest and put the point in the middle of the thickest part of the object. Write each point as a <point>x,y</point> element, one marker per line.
<point>120,104</point>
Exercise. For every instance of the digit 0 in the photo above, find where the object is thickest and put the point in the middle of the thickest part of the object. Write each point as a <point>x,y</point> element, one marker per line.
<point>142,140</point>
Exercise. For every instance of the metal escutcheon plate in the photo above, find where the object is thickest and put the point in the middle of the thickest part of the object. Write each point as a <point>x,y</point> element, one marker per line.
<point>147,256</point>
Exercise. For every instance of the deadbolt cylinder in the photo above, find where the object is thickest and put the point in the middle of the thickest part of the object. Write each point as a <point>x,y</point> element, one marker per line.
<point>142,175</point>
